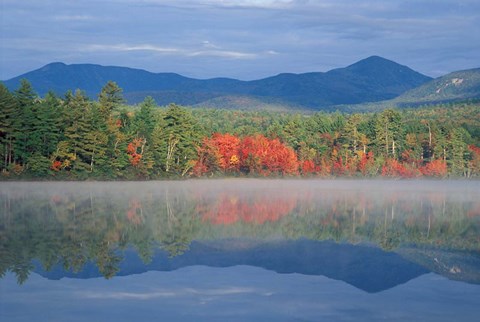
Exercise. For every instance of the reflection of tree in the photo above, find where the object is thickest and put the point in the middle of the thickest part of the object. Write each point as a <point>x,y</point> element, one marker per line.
<point>73,228</point>
<point>176,236</point>
<point>107,260</point>
<point>229,208</point>
<point>60,229</point>
<point>389,221</point>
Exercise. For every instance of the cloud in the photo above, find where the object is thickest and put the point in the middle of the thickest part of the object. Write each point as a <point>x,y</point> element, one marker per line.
<point>73,18</point>
<point>223,53</point>
<point>171,293</point>
<point>125,47</point>
<point>214,52</point>
<point>227,3</point>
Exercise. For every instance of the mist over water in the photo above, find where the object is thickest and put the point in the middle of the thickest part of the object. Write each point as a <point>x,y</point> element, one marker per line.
<point>374,189</point>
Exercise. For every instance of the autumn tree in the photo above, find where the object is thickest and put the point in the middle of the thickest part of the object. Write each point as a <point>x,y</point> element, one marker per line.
<point>263,156</point>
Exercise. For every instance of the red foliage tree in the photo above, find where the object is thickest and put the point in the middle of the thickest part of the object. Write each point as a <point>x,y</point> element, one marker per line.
<point>394,168</point>
<point>228,148</point>
<point>133,151</point>
<point>261,155</point>
<point>308,167</point>
<point>56,165</point>
<point>252,154</point>
<point>220,152</point>
<point>435,168</point>
<point>474,163</point>
<point>366,163</point>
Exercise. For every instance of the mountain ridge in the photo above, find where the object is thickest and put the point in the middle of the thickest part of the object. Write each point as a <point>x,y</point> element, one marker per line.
<point>368,80</point>
<point>458,86</point>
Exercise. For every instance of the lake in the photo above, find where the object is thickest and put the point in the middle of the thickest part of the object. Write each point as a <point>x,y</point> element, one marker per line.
<point>240,250</point>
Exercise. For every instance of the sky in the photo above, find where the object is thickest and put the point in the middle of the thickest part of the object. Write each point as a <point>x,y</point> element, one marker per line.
<point>243,39</point>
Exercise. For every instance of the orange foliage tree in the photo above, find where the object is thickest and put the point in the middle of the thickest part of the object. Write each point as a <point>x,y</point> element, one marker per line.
<point>474,162</point>
<point>220,152</point>
<point>435,168</point>
<point>252,154</point>
<point>264,156</point>
<point>394,168</point>
<point>135,151</point>
<point>366,163</point>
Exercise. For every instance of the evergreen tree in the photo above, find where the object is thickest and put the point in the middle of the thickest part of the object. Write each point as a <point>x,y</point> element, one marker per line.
<point>25,139</point>
<point>388,133</point>
<point>457,151</point>
<point>144,120</point>
<point>175,140</point>
<point>110,98</point>
<point>9,114</point>
<point>82,137</point>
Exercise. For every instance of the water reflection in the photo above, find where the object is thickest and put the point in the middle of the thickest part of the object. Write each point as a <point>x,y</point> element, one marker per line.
<point>435,225</point>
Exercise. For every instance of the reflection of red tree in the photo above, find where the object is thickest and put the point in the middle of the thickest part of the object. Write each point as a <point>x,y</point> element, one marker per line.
<point>474,211</point>
<point>230,209</point>
<point>56,199</point>
<point>134,212</point>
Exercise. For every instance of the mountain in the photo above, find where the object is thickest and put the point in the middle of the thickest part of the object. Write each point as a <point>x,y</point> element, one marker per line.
<point>458,86</point>
<point>461,85</point>
<point>369,80</point>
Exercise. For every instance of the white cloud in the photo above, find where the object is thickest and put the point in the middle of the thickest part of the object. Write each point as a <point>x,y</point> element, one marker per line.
<point>223,53</point>
<point>73,18</point>
<point>124,47</point>
<point>171,293</point>
<point>227,3</point>
<point>214,52</point>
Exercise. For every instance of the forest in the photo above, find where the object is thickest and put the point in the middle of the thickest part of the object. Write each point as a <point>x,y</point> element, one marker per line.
<point>76,138</point>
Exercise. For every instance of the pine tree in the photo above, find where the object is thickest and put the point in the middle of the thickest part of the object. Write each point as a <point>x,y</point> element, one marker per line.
<point>25,137</point>
<point>9,114</point>
<point>175,140</point>
<point>388,133</point>
<point>110,98</point>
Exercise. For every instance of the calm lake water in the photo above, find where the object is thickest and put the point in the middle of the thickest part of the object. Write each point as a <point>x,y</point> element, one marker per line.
<point>240,250</point>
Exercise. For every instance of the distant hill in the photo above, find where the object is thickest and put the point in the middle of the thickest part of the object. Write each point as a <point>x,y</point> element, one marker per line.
<point>461,85</point>
<point>457,86</point>
<point>369,80</point>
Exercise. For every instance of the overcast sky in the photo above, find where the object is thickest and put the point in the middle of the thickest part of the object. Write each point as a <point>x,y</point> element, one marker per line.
<point>245,39</point>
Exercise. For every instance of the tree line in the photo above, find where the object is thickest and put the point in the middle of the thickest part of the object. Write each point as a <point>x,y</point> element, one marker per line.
<point>75,137</point>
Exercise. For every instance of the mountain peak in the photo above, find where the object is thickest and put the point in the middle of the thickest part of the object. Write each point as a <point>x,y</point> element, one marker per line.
<point>376,62</point>
<point>54,66</point>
